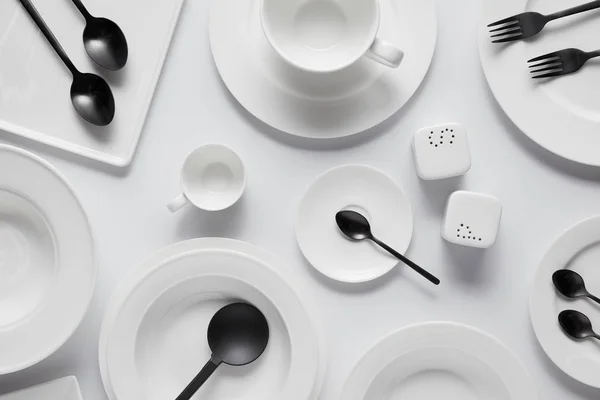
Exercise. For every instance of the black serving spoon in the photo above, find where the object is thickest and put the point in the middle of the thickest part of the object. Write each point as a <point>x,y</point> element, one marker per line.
<point>91,96</point>
<point>570,284</point>
<point>357,227</point>
<point>104,41</point>
<point>576,325</point>
<point>237,335</point>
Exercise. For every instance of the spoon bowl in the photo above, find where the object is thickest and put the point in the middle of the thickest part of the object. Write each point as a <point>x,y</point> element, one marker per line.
<point>92,99</point>
<point>105,43</point>
<point>237,335</point>
<point>576,325</point>
<point>571,285</point>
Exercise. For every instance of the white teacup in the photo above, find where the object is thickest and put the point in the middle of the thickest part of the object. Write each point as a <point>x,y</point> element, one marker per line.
<point>326,35</point>
<point>213,178</point>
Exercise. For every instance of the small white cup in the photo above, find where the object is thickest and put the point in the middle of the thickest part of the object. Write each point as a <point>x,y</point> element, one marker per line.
<point>326,35</point>
<point>213,178</point>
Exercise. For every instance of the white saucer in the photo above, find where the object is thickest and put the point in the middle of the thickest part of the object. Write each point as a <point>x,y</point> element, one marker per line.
<point>320,105</point>
<point>368,191</point>
<point>562,115</point>
<point>47,260</point>
<point>577,249</point>
<point>60,389</point>
<point>439,361</point>
<point>161,313</point>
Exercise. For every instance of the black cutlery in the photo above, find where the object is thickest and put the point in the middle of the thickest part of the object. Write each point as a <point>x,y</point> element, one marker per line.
<point>576,325</point>
<point>528,24</point>
<point>237,335</point>
<point>104,41</point>
<point>91,96</point>
<point>570,284</point>
<point>560,62</point>
<point>356,227</point>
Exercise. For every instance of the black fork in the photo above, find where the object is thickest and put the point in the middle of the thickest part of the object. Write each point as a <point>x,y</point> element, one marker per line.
<point>560,62</point>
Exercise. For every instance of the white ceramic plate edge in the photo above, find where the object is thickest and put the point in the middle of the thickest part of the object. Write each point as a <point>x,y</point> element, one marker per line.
<point>193,245</point>
<point>51,350</point>
<point>67,380</point>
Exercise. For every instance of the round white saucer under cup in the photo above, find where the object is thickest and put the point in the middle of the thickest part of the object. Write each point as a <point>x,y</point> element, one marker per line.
<point>563,114</point>
<point>47,260</point>
<point>154,333</point>
<point>365,190</point>
<point>439,360</point>
<point>577,249</point>
<point>318,105</point>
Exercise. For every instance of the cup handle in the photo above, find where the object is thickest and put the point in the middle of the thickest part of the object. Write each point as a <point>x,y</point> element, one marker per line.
<point>177,203</point>
<point>385,53</point>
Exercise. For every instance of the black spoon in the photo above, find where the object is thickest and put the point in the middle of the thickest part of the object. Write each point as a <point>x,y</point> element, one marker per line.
<point>570,284</point>
<point>576,325</point>
<point>104,41</point>
<point>91,96</point>
<point>237,335</point>
<point>357,227</point>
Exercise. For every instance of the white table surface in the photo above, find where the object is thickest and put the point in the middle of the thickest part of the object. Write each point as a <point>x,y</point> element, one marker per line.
<point>541,193</point>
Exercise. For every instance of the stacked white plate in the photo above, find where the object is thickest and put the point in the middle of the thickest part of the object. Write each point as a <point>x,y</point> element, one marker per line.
<point>153,340</point>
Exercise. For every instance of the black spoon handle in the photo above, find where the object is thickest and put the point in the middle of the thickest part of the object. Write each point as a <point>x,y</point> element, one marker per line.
<point>35,15</point>
<point>575,10</point>
<point>191,389</point>
<point>408,262</point>
<point>82,9</point>
<point>594,298</point>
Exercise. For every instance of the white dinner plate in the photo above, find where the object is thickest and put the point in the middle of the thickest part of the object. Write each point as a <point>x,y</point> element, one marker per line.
<point>439,360</point>
<point>577,249</point>
<point>153,339</point>
<point>369,192</point>
<point>60,389</point>
<point>320,105</point>
<point>562,115</point>
<point>47,260</point>
<point>34,83</point>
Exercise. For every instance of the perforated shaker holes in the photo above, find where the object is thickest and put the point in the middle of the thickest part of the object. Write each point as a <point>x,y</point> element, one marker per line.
<point>441,151</point>
<point>472,219</point>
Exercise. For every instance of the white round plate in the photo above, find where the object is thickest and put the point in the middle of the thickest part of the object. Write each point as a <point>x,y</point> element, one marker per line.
<point>320,105</point>
<point>47,260</point>
<point>153,339</point>
<point>368,191</point>
<point>577,249</point>
<point>439,360</point>
<point>562,115</point>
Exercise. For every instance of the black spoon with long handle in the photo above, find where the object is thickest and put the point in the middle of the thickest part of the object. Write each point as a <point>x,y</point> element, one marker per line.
<point>356,227</point>
<point>237,335</point>
<point>104,40</point>
<point>571,285</point>
<point>91,96</point>
<point>576,325</point>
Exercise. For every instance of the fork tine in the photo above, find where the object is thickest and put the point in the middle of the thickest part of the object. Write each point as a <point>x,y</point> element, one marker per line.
<point>550,75</point>
<point>547,69</point>
<point>503,21</point>
<point>542,57</point>
<point>510,25</point>
<point>512,37</point>
<point>516,29</point>
<point>553,61</point>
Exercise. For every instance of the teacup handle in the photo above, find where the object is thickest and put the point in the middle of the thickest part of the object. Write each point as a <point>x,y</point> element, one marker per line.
<point>385,53</point>
<point>178,203</point>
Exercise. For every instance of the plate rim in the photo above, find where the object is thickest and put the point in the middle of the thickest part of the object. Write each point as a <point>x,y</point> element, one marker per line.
<point>319,178</point>
<point>61,179</point>
<point>440,325</point>
<point>184,248</point>
<point>541,269</point>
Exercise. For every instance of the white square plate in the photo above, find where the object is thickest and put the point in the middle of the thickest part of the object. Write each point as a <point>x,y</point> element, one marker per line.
<point>34,83</point>
<point>60,389</point>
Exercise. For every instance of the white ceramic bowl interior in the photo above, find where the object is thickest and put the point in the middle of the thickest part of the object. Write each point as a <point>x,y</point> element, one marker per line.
<point>320,35</point>
<point>27,258</point>
<point>213,177</point>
